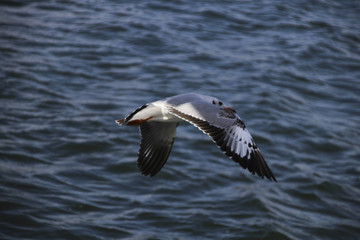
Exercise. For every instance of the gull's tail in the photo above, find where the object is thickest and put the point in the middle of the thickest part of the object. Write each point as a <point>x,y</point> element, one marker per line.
<point>120,121</point>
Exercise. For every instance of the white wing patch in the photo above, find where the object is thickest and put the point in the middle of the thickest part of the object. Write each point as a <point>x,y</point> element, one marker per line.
<point>240,141</point>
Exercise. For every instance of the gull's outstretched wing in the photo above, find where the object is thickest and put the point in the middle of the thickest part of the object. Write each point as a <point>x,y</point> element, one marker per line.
<point>157,139</point>
<point>226,129</point>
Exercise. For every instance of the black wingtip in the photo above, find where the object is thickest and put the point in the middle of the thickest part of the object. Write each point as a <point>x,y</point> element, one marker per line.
<point>260,166</point>
<point>254,164</point>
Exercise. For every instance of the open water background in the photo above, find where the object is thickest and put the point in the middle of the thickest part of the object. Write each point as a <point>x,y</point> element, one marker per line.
<point>68,69</point>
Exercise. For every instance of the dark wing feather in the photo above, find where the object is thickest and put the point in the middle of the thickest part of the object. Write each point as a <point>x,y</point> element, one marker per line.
<point>157,139</point>
<point>230,140</point>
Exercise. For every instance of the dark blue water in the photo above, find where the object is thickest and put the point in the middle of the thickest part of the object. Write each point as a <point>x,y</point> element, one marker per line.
<point>68,69</point>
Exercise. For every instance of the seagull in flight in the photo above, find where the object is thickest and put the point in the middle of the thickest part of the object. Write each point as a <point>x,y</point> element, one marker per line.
<point>158,121</point>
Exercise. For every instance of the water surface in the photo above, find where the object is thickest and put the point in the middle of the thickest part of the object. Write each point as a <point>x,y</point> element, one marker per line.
<point>69,69</point>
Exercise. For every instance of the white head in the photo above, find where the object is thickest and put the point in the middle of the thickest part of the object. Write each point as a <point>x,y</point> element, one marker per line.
<point>214,100</point>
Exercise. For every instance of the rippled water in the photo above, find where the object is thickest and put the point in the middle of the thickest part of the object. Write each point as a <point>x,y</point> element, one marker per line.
<point>291,69</point>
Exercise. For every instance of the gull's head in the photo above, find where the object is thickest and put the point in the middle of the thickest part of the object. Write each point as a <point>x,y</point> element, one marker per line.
<point>215,101</point>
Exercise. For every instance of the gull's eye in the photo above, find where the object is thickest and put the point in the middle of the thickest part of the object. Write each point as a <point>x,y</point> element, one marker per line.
<point>220,103</point>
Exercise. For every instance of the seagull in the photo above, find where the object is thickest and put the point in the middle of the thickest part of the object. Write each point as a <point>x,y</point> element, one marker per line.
<point>158,121</point>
